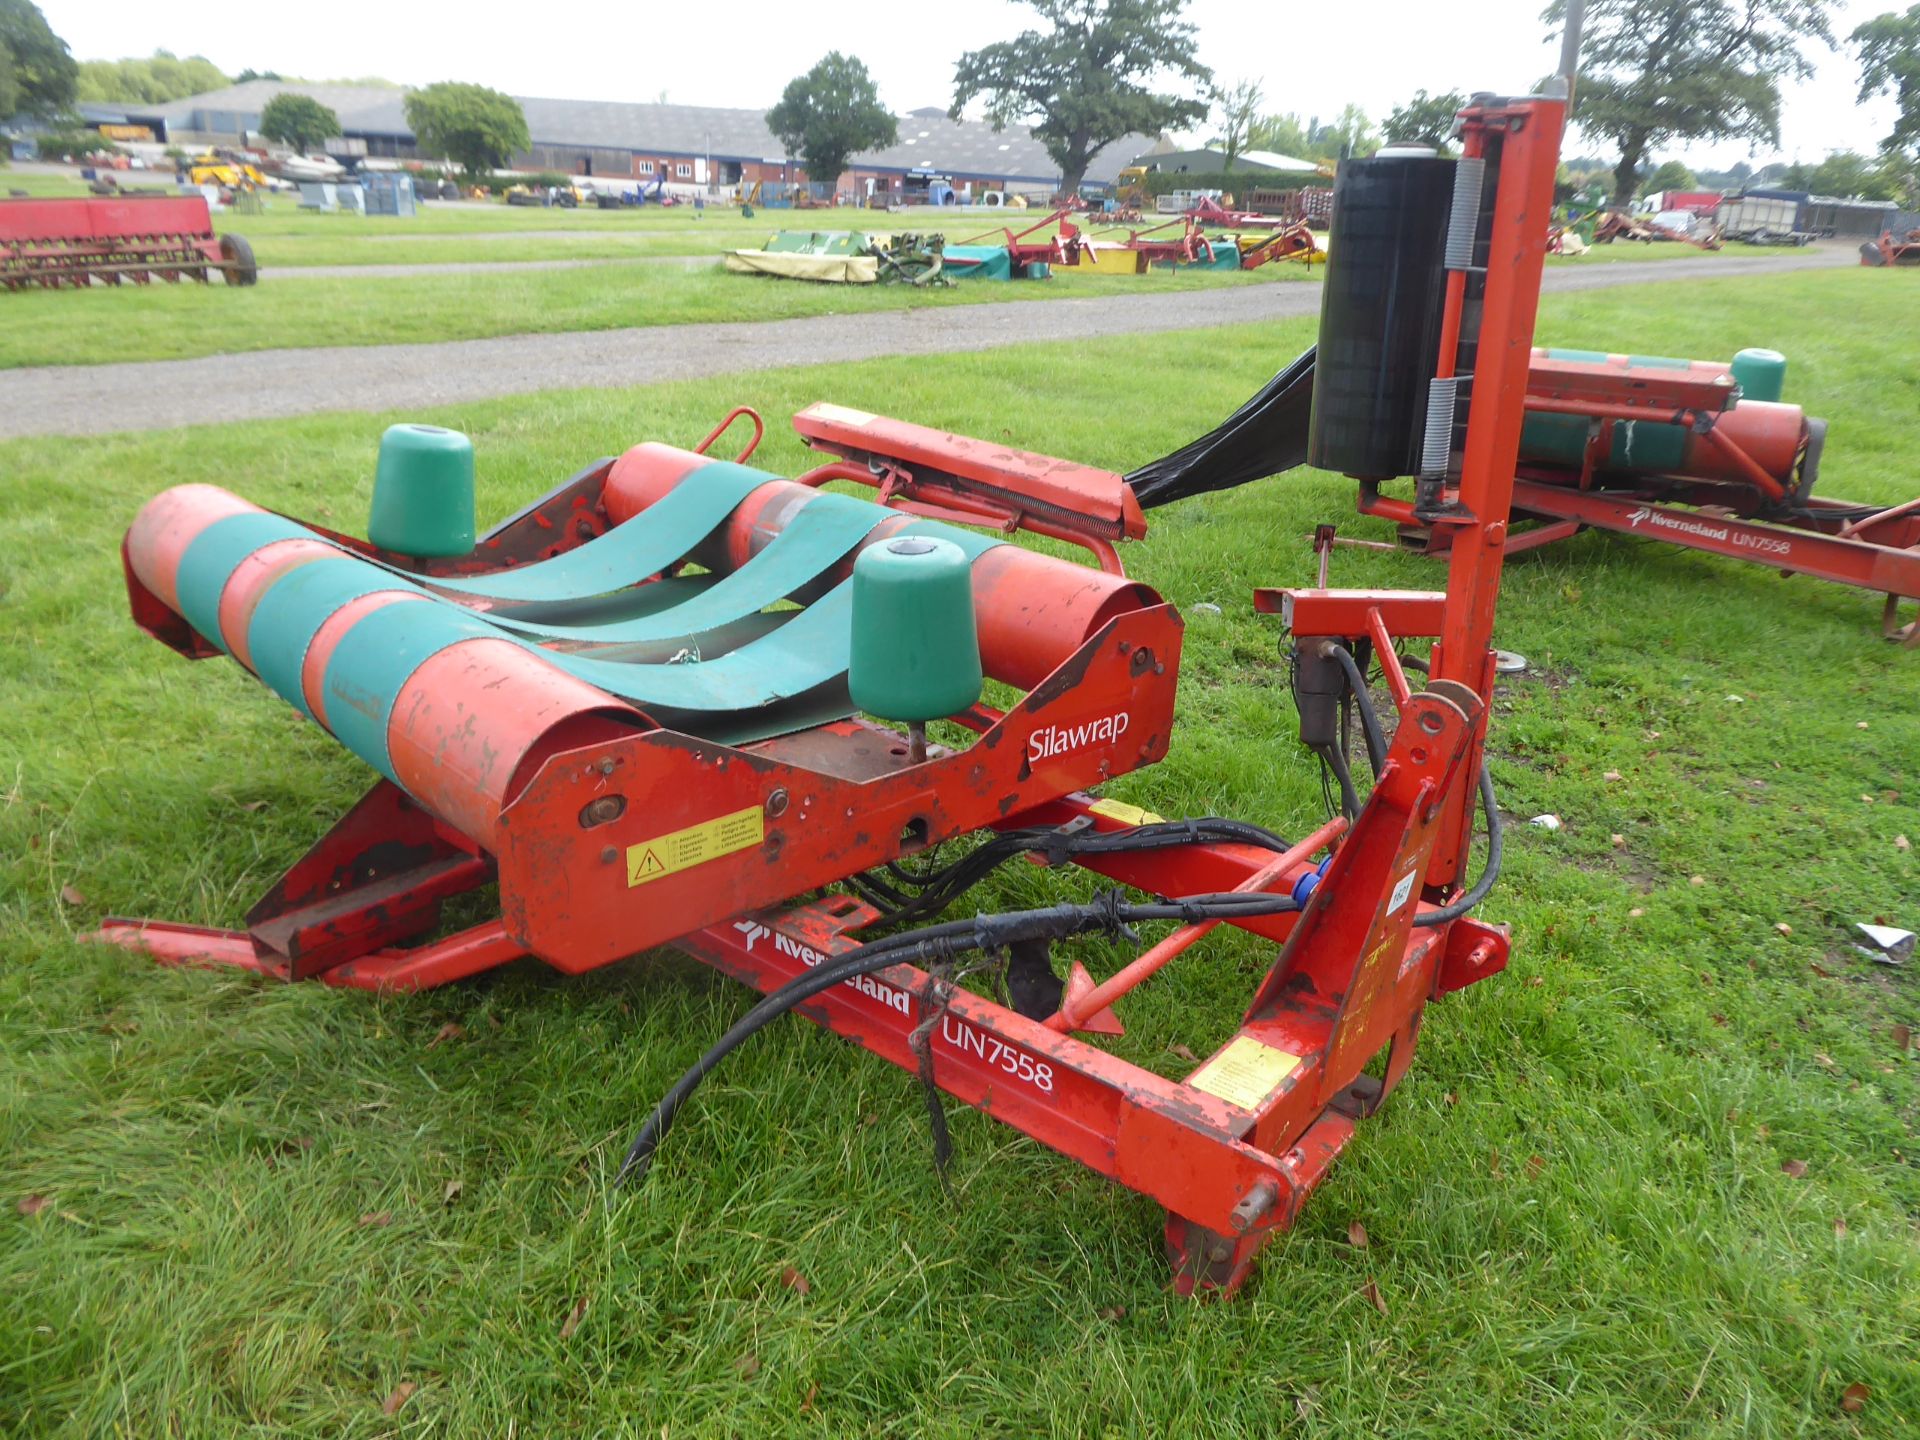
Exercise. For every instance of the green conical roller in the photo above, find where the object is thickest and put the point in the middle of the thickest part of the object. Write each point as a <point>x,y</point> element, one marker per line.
<point>915,654</point>
<point>423,492</point>
<point>1760,374</point>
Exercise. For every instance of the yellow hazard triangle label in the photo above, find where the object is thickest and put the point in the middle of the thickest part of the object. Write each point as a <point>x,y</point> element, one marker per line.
<point>695,845</point>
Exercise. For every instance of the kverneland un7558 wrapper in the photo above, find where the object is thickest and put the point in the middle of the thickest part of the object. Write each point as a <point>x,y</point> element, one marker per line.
<point>676,693</point>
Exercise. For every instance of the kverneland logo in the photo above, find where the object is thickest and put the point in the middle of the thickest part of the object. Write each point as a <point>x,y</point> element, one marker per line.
<point>1660,520</point>
<point>1053,740</point>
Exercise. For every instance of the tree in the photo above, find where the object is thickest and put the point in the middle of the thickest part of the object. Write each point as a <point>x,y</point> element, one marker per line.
<point>1239,113</point>
<point>1086,82</point>
<point>1349,135</point>
<point>1845,173</point>
<point>155,80</point>
<point>1673,175</point>
<point>1889,51</point>
<point>1656,71</point>
<point>829,115</point>
<point>476,128</point>
<point>299,121</point>
<point>37,74</point>
<point>1425,120</point>
<point>1284,135</point>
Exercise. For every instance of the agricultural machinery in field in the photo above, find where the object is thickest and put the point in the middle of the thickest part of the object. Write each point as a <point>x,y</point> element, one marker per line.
<point>52,244</point>
<point>682,701</point>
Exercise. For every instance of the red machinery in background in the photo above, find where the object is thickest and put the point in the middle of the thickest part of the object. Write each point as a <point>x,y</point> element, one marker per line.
<point>1898,244</point>
<point>56,243</point>
<point>609,706</point>
<point>1673,450</point>
<point>1189,243</point>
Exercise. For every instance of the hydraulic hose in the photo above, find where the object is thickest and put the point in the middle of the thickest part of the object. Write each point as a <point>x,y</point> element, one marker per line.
<point>935,944</point>
<point>1496,835</point>
<point>1369,718</point>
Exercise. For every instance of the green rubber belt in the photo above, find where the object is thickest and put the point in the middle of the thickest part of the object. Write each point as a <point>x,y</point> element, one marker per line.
<point>628,553</point>
<point>628,604</point>
<point>821,533</point>
<point>215,553</point>
<point>701,653</point>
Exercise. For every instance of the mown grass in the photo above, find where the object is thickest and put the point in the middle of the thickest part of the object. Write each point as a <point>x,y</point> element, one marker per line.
<point>169,322</point>
<point>1579,1221</point>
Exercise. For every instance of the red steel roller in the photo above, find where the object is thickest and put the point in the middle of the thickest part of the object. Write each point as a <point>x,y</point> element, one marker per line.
<point>465,757</point>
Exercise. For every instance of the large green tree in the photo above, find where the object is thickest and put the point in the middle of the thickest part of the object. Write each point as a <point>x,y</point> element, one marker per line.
<point>830,114</point>
<point>298,120</point>
<point>155,80</point>
<point>1653,72</point>
<point>1425,119</point>
<point>1090,77</point>
<point>37,73</point>
<point>1889,51</point>
<point>476,128</point>
<point>1239,112</point>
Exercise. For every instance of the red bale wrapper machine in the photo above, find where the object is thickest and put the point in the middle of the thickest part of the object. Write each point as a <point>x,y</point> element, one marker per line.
<point>1697,453</point>
<point>676,693</point>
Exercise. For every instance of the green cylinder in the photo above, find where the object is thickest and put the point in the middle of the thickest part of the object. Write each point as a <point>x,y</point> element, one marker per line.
<point>423,492</point>
<point>1760,374</point>
<point>915,653</point>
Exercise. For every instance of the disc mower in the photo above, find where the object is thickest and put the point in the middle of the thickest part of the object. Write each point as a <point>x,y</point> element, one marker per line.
<point>683,701</point>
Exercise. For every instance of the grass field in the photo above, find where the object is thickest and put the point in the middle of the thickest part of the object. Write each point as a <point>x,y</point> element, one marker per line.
<point>1580,1224</point>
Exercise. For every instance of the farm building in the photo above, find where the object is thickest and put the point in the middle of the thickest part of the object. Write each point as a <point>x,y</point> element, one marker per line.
<point>688,144</point>
<point>1209,162</point>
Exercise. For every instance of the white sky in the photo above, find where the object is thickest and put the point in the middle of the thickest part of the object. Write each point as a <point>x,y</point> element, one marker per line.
<point>1314,58</point>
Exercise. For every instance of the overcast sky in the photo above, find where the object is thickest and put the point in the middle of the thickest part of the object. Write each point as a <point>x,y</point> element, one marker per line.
<point>1311,59</point>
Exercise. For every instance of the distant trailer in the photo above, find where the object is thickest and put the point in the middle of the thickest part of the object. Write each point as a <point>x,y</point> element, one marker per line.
<point>1764,220</point>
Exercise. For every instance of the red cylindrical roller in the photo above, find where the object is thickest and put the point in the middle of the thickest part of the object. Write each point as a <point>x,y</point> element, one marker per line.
<point>1771,432</point>
<point>167,525</point>
<point>466,772</point>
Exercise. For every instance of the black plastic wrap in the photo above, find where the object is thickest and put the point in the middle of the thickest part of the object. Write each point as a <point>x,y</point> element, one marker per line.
<point>1380,315</point>
<point>1266,435</point>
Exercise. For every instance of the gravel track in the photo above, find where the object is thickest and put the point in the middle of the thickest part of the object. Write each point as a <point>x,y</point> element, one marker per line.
<point>272,384</point>
<point>472,267</point>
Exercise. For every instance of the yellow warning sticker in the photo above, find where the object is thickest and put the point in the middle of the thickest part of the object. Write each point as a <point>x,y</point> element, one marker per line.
<point>1245,1073</point>
<point>709,840</point>
<point>826,410</point>
<point>1126,814</point>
